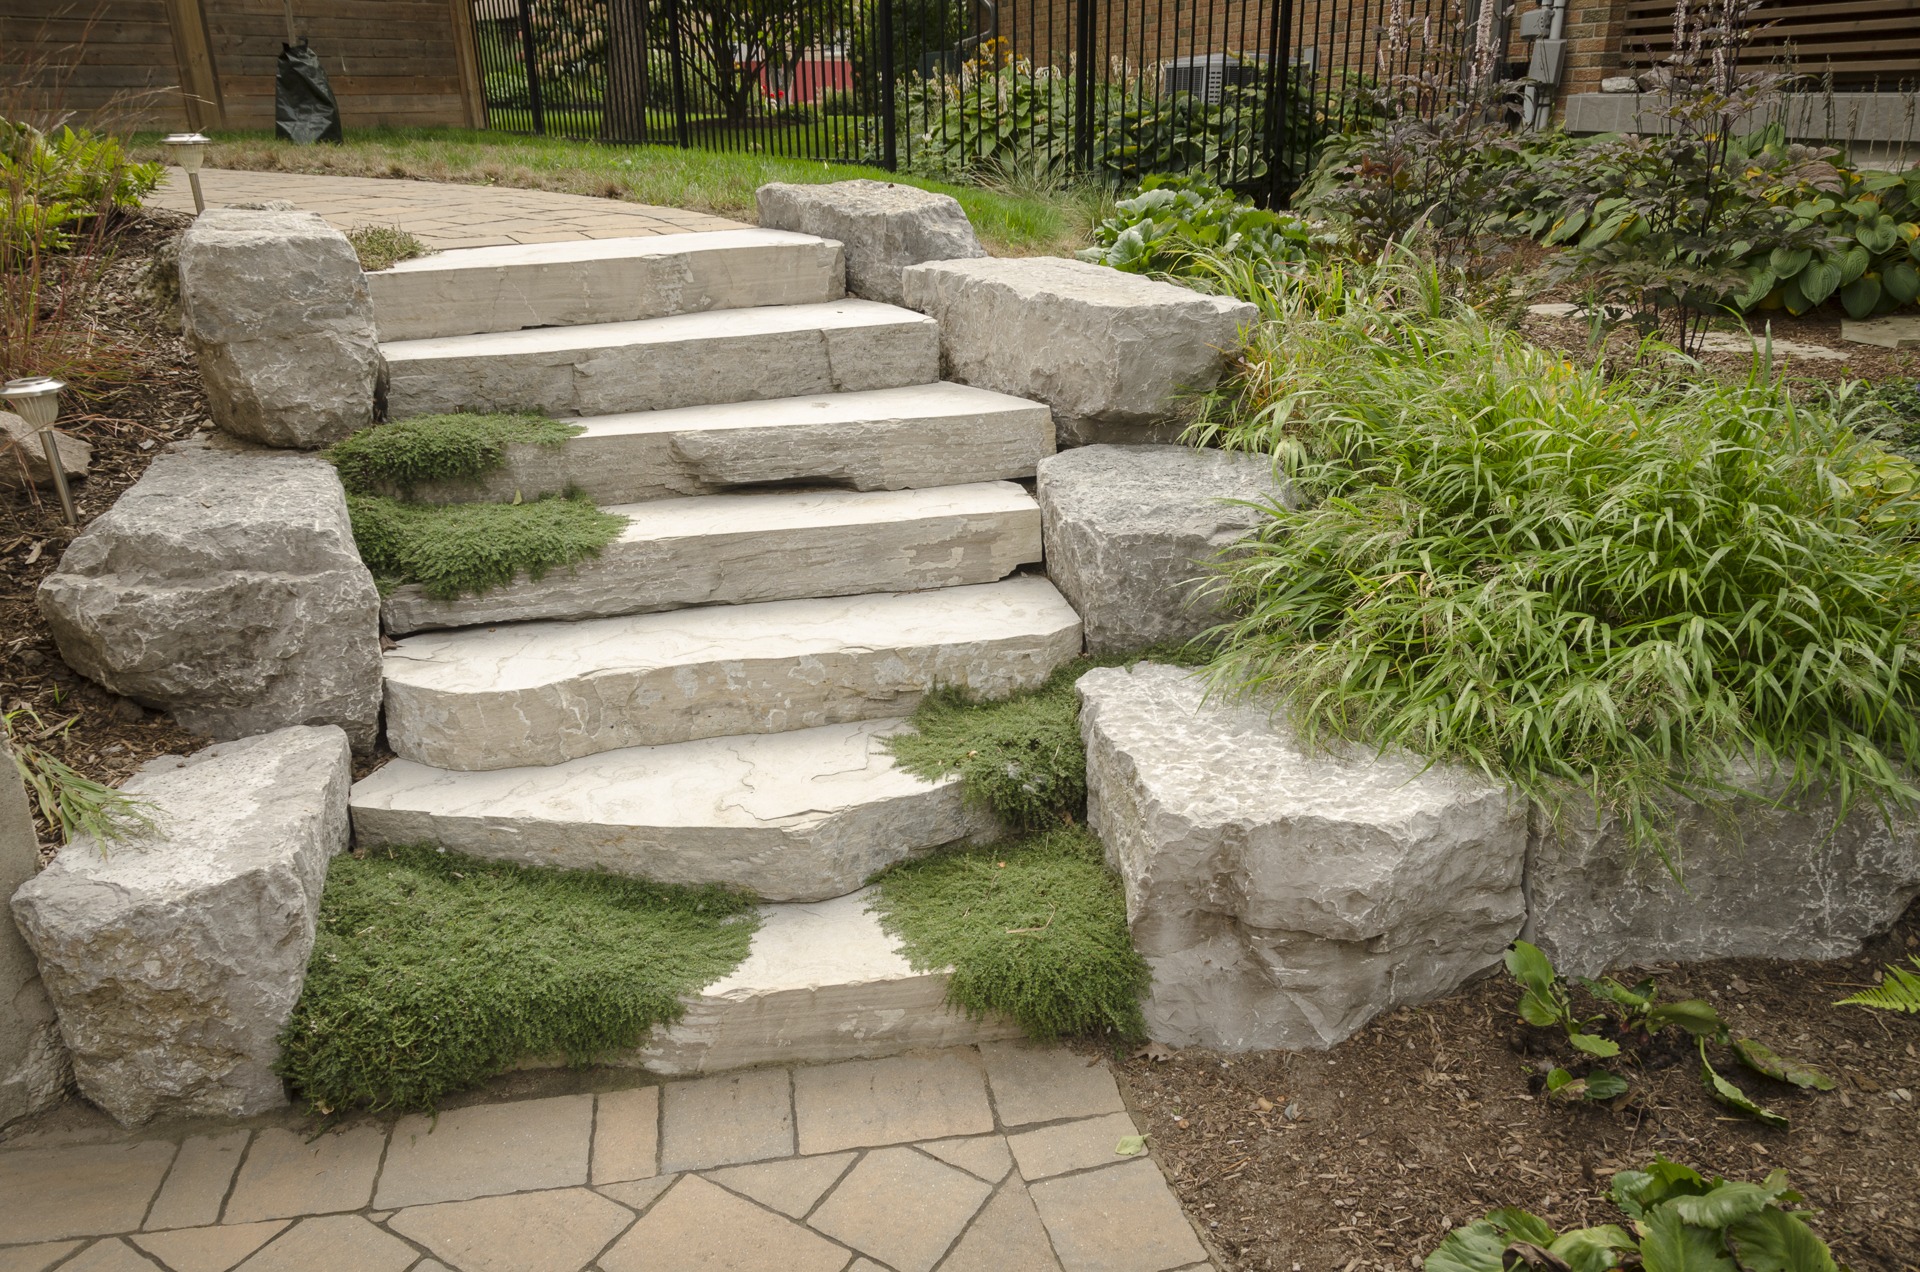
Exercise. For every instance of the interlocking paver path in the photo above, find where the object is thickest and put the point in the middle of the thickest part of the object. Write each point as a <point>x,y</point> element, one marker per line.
<point>998,1158</point>
<point>440,214</point>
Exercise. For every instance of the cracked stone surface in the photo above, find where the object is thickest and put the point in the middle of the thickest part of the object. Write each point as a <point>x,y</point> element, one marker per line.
<point>574,283</point>
<point>769,546</point>
<point>1284,898</point>
<point>798,816</point>
<point>543,693</point>
<point>735,355</point>
<point>915,436</point>
<point>884,227</point>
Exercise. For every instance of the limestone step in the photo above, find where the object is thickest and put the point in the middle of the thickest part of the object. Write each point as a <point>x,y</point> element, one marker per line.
<point>769,546</point>
<point>878,439</point>
<point>820,982</point>
<point>543,693</point>
<point>788,816</point>
<point>602,280</point>
<point>727,355</point>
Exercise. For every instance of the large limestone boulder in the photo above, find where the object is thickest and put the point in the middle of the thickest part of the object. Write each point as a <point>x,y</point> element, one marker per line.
<point>1283,898</point>
<point>225,587</point>
<point>1111,353</point>
<point>1759,881</point>
<point>175,958</point>
<point>277,311</point>
<point>34,1069</point>
<point>884,227</point>
<point>1129,532</point>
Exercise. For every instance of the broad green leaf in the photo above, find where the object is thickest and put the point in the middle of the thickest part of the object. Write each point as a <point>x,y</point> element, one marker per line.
<point>1853,263</point>
<point>1819,280</point>
<point>1593,1249</point>
<point>1130,1146</point>
<point>1594,1045</point>
<point>1612,990</point>
<point>1775,1241</point>
<point>1518,1225</point>
<point>1671,1245</point>
<point>1558,1080</point>
<point>1760,282</point>
<point>1762,1059</point>
<point>1602,1085</point>
<point>1902,282</point>
<point>1474,1248</point>
<point>1787,262</point>
<point>1526,964</point>
<point>1536,1008</point>
<point>1733,1097</point>
<point>1694,1015</point>
<point>1861,298</point>
<point>1793,297</point>
<point>1637,1191</point>
<point>1726,1203</point>
<point>1877,236</point>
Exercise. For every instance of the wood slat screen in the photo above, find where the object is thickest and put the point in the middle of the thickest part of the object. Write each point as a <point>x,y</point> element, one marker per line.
<point>1863,43</point>
<point>89,58</point>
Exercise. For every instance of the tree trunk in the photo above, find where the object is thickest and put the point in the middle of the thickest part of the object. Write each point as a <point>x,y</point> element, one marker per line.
<point>623,114</point>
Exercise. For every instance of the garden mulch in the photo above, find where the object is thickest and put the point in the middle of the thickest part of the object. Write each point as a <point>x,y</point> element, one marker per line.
<point>1361,1158</point>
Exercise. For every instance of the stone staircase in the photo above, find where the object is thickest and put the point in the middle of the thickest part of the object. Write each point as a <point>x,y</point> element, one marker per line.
<point>819,532</point>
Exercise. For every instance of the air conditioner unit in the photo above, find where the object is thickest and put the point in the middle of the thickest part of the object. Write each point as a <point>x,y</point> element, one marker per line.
<point>1207,77</point>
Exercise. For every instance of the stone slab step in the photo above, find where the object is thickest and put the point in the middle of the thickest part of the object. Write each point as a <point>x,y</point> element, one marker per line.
<point>769,546</point>
<point>879,439</point>
<point>602,280</point>
<point>795,816</point>
<point>544,693</point>
<point>728,355</point>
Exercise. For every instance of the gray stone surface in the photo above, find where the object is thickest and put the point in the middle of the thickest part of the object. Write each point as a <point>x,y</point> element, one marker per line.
<point>175,958</point>
<point>884,227</point>
<point>1284,898</point>
<point>727,355</point>
<point>1760,881</point>
<point>34,1070</point>
<point>225,587</point>
<point>1130,531</point>
<point>1894,331</point>
<point>23,457</point>
<point>277,311</point>
<point>1110,352</point>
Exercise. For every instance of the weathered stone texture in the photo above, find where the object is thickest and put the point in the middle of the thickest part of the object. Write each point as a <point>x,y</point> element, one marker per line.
<point>225,587</point>
<point>1283,898</point>
<point>1110,352</point>
<point>34,1069</point>
<point>174,958</point>
<point>277,311</point>
<point>1130,530</point>
<point>884,227</point>
<point>23,458</point>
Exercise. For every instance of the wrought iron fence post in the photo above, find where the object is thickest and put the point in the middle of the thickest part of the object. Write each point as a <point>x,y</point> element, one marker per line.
<point>1279,120</point>
<point>1083,85</point>
<point>889,87</point>
<point>677,62</point>
<point>532,60</point>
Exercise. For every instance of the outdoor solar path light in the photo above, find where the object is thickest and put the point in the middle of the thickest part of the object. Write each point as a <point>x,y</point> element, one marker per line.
<point>189,150</point>
<point>37,401</point>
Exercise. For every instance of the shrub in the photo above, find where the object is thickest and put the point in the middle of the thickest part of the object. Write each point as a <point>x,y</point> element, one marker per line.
<point>457,550</point>
<point>427,449</point>
<point>1595,588</point>
<point>431,971</point>
<point>1175,223</point>
<point>51,182</point>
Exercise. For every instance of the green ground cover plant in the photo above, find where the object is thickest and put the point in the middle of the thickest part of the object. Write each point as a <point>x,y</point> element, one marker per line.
<point>455,550</point>
<point>432,971</point>
<point>401,456</point>
<point>1034,928</point>
<point>1611,591</point>
<point>382,246</point>
<point>1176,225</point>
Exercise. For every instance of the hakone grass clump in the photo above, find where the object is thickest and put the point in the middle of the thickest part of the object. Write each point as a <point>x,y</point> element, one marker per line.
<point>454,550</point>
<point>432,971</point>
<point>1623,588</point>
<point>1034,928</point>
<point>398,457</point>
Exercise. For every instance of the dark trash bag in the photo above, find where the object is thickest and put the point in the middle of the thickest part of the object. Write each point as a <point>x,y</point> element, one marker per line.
<point>303,107</point>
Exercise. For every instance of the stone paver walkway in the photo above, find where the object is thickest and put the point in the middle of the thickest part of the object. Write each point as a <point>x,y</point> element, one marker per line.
<point>441,214</point>
<point>999,1158</point>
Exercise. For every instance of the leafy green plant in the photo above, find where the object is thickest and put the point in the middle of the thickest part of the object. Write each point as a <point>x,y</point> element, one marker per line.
<point>456,550</point>
<point>1614,593</point>
<point>382,246</point>
<point>51,182</point>
<point>432,971</point>
<point>1900,991</point>
<point>1681,1221</point>
<point>1173,223</point>
<point>397,458</point>
<point>73,804</point>
<point>1034,929</point>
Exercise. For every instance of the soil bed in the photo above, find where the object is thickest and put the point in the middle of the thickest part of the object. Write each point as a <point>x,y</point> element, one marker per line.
<point>1430,1117</point>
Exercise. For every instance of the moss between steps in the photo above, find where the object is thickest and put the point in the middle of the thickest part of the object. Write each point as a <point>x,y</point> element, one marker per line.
<point>465,549</point>
<point>410,453</point>
<point>432,971</point>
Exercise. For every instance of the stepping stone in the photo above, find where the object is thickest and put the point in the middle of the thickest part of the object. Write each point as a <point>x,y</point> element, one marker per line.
<point>730,355</point>
<point>543,693</point>
<point>208,1249</point>
<point>83,1191</point>
<point>1896,331</point>
<point>901,1207</point>
<point>602,280</point>
<point>890,1101</point>
<point>198,1182</point>
<point>1037,1082</point>
<point>557,1230</point>
<point>791,1186</point>
<point>920,435</point>
<point>1117,1219</point>
<point>287,1174</point>
<point>701,1225</point>
<point>1006,1237</point>
<point>721,1121</point>
<point>737,549</point>
<point>798,816</point>
<point>485,1150</point>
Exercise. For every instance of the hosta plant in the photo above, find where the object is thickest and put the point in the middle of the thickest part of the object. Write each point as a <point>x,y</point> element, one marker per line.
<point>1175,223</point>
<point>1678,1221</point>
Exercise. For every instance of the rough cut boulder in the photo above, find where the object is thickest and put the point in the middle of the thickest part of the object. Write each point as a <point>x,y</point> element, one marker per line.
<point>23,459</point>
<point>884,227</point>
<point>279,316</point>
<point>224,587</point>
<point>1760,881</point>
<point>1110,352</point>
<point>175,958</point>
<point>1129,531</point>
<point>1284,898</point>
<point>34,1070</point>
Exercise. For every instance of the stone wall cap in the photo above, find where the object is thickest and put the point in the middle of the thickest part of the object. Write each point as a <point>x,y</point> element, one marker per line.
<point>1080,281</point>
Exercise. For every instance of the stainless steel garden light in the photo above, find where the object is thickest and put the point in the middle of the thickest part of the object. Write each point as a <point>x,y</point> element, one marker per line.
<point>37,401</point>
<point>189,150</point>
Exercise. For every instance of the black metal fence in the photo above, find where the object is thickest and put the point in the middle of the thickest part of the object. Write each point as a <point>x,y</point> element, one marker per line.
<point>1242,91</point>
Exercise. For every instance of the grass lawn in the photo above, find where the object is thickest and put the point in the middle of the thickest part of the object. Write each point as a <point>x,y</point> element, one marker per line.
<point>1009,222</point>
